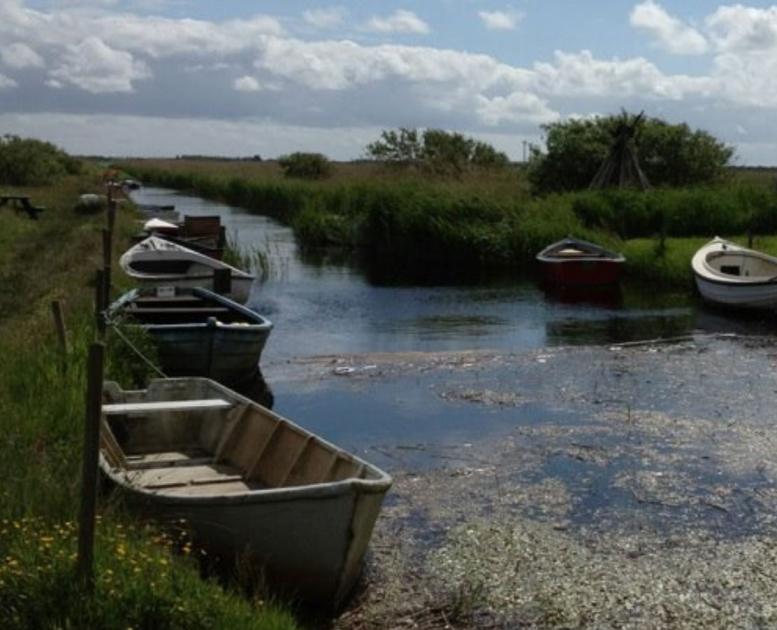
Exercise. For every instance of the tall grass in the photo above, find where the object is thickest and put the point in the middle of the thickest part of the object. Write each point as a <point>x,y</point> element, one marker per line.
<point>140,581</point>
<point>252,258</point>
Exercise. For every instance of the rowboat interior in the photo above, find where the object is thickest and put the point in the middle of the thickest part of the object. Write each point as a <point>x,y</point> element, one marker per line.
<point>578,250</point>
<point>741,264</point>
<point>210,446</point>
<point>181,308</point>
<point>167,266</point>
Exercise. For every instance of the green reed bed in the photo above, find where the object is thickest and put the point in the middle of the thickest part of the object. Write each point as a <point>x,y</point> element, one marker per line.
<point>142,579</point>
<point>481,220</point>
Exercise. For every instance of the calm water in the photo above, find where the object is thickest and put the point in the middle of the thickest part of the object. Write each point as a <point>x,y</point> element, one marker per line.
<point>321,307</point>
<point>324,307</point>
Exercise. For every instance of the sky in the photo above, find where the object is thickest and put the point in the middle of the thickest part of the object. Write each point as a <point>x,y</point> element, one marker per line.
<point>240,77</point>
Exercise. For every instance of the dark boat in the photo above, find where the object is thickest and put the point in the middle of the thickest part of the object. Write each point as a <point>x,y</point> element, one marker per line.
<point>572,262</point>
<point>197,332</point>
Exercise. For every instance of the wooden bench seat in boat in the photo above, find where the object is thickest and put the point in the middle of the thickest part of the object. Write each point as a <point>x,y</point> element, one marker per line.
<point>184,310</point>
<point>143,408</point>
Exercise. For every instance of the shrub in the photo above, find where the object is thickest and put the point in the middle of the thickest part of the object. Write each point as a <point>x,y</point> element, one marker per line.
<point>28,162</point>
<point>306,165</point>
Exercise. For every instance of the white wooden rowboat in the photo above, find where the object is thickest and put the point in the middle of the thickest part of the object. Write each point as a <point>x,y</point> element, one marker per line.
<point>159,262</point>
<point>248,482</point>
<point>732,275</point>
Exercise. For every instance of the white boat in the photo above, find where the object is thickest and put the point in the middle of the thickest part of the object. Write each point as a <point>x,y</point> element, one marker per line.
<point>158,262</point>
<point>249,483</point>
<point>732,275</point>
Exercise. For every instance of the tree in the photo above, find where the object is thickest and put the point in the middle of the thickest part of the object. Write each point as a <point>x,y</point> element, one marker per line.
<point>402,148</point>
<point>670,155</point>
<point>435,150</point>
<point>306,165</point>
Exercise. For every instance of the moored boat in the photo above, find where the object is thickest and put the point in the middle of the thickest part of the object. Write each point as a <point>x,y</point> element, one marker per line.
<point>197,332</point>
<point>731,275</point>
<point>248,482</point>
<point>158,262</point>
<point>163,212</point>
<point>572,262</point>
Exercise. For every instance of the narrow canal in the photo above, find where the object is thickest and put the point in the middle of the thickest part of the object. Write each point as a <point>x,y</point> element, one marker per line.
<point>323,306</point>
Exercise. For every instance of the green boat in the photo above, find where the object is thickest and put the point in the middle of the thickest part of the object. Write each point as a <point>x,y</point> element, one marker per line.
<point>197,332</point>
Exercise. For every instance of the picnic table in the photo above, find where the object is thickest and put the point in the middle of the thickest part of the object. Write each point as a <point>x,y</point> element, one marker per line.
<point>21,203</point>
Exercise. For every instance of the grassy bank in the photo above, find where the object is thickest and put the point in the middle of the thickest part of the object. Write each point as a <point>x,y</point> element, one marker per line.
<point>144,579</point>
<point>408,221</point>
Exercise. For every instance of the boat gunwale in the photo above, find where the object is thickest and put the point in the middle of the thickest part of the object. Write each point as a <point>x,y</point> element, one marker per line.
<point>190,254</point>
<point>607,256</point>
<point>713,276</point>
<point>261,322</point>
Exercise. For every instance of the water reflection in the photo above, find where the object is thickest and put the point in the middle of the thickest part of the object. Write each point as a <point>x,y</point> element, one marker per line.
<point>257,389</point>
<point>607,296</point>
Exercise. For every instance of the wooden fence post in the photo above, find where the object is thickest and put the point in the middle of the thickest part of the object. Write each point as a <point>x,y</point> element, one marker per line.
<point>99,302</point>
<point>86,520</point>
<point>59,324</point>
<point>111,215</point>
<point>107,259</point>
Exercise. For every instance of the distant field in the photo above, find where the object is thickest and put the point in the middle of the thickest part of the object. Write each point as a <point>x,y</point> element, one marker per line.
<point>510,182</point>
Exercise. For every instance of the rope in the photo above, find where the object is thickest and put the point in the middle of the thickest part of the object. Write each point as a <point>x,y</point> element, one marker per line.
<point>147,361</point>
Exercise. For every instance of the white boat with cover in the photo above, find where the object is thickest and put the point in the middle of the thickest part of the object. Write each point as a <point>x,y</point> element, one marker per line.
<point>732,275</point>
<point>249,482</point>
<point>159,262</point>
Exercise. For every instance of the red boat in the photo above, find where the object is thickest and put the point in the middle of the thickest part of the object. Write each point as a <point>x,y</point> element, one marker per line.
<point>571,262</point>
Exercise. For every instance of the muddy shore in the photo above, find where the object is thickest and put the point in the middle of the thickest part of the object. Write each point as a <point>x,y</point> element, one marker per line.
<point>630,486</point>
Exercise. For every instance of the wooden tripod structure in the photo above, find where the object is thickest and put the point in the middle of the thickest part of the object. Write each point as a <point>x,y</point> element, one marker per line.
<point>621,168</point>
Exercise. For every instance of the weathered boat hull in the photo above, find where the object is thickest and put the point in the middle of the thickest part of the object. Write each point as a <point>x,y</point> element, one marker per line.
<point>743,296</point>
<point>301,507</point>
<point>311,542</point>
<point>581,272</point>
<point>239,291</point>
<point>226,354</point>
<point>227,350</point>
<point>730,275</point>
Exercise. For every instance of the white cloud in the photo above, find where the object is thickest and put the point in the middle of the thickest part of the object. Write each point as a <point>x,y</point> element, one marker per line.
<point>670,33</point>
<point>150,36</point>
<point>19,55</point>
<point>500,20</point>
<point>518,107</point>
<point>583,75</point>
<point>401,21</point>
<point>246,84</point>
<point>340,65</point>
<point>6,82</point>
<point>743,29</point>
<point>95,67</point>
<point>325,18</point>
